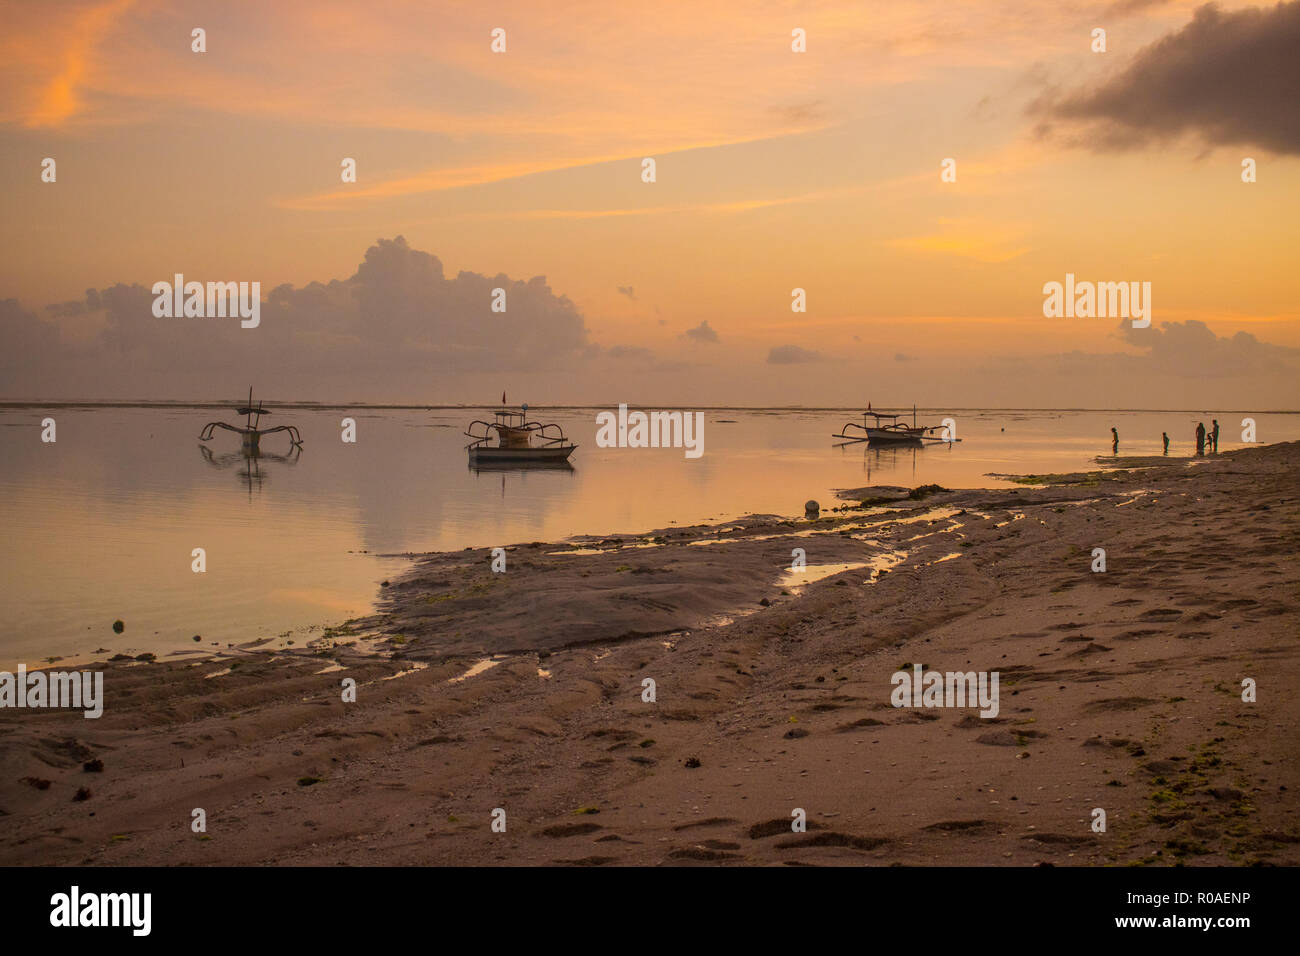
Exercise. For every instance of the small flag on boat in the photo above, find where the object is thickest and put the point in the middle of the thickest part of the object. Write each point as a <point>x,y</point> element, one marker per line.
<point>503,398</point>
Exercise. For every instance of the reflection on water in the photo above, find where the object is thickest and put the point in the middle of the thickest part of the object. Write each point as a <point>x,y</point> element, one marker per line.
<point>247,463</point>
<point>101,524</point>
<point>898,462</point>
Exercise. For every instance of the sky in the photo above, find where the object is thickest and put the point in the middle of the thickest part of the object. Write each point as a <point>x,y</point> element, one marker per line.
<point>775,170</point>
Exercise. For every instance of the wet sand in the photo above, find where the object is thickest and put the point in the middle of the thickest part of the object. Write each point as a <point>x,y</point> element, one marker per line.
<point>523,691</point>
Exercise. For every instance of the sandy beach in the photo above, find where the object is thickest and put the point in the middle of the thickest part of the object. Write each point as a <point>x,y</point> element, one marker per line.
<point>523,691</point>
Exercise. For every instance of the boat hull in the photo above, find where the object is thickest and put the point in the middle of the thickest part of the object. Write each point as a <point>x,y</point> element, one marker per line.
<point>546,454</point>
<point>895,436</point>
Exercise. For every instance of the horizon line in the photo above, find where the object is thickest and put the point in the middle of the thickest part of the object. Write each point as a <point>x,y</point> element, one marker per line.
<point>306,404</point>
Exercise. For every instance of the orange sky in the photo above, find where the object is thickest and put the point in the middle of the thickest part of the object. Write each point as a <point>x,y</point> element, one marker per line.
<point>775,170</point>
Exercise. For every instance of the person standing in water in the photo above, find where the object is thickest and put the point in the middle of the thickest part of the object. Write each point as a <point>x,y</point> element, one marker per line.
<point>1215,435</point>
<point>1200,438</point>
<point>1165,436</point>
<point>1114,440</point>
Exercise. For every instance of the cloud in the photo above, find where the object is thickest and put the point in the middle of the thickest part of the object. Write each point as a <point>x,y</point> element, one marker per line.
<point>75,37</point>
<point>628,291</point>
<point>1124,8</point>
<point>23,336</point>
<point>395,321</point>
<point>68,309</point>
<point>900,357</point>
<point>792,355</point>
<point>1192,349</point>
<point>635,352</point>
<point>1233,78</point>
<point>797,114</point>
<point>702,333</point>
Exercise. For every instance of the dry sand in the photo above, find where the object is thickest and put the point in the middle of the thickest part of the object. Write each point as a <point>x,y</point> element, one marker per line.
<point>1119,691</point>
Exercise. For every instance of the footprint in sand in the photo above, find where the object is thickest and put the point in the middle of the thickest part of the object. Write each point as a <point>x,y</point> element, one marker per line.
<point>832,838</point>
<point>587,861</point>
<point>1010,737</point>
<point>702,854</point>
<point>1119,703</point>
<point>970,827</point>
<point>859,724</point>
<point>1160,614</point>
<point>1058,839</point>
<point>710,822</point>
<point>1090,649</point>
<point>561,830</point>
<point>776,827</point>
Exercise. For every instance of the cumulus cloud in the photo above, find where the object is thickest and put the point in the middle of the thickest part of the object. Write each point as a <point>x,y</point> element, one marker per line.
<point>702,333</point>
<point>1191,348</point>
<point>629,352</point>
<point>792,355</point>
<point>397,318</point>
<point>1232,78</point>
<point>90,303</point>
<point>23,335</point>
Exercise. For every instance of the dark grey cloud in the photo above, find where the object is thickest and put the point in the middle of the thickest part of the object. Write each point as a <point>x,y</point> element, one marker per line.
<point>792,355</point>
<point>702,333</point>
<point>628,291</point>
<point>1231,78</point>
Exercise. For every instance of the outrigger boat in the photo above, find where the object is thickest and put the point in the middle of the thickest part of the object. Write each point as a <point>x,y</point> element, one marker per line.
<point>889,430</point>
<point>510,437</point>
<point>251,434</point>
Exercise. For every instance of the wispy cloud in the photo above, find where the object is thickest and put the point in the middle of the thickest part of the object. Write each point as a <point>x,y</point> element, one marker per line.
<point>70,46</point>
<point>441,179</point>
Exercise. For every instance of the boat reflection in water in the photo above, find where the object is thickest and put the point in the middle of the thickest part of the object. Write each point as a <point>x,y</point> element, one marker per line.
<point>493,467</point>
<point>247,462</point>
<point>891,458</point>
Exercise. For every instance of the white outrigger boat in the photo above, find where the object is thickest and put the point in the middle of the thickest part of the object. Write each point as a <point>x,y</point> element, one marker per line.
<point>511,438</point>
<point>887,429</point>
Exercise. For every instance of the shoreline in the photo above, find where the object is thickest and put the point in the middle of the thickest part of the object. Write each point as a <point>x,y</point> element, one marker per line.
<point>1117,692</point>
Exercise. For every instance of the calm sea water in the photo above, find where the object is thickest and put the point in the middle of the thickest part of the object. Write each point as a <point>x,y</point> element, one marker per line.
<point>101,524</point>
